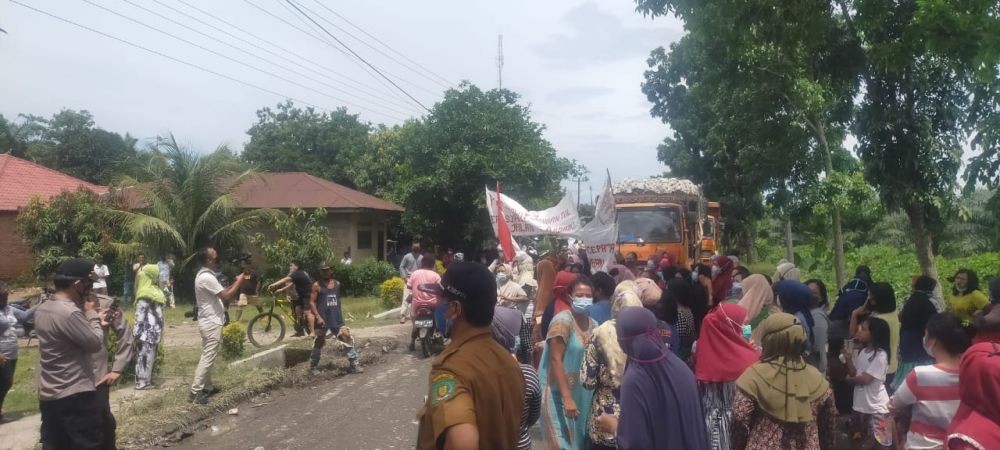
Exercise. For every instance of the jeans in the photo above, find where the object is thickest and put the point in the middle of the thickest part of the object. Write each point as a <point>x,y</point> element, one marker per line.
<point>211,338</point>
<point>73,422</point>
<point>6,379</point>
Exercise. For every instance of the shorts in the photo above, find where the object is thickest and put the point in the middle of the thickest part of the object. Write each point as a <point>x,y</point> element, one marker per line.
<point>248,300</point>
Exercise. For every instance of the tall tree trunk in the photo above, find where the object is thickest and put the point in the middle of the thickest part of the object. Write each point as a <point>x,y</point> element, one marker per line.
<point>923,240</point>
<point>838,231</point>
<point>789,244</point>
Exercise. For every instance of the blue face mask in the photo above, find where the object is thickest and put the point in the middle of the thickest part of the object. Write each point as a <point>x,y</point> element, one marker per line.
<point>580,304</point>
<point>747,331</point>
<point>441,320</point>
<point>502,278</point>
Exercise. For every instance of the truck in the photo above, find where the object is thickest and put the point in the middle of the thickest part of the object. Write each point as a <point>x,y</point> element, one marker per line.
<point>711,230</point>
<point>660,214</point>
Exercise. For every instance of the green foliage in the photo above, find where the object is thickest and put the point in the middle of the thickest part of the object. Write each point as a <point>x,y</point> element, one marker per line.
<point>234,336</point>
<point>291,139</point>
<point>390,293</point>
<point>70,143</point>
<point>189,205</point>
<point>71,224</point>
<point>363,278</point>
<point>298,235</point>
<point>439,165</point>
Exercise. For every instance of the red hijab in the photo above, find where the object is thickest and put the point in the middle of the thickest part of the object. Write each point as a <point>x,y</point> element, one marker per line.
<point>723,281</point>
<point>560,290</point>
<point>722,353</point>
<point>978,415</point>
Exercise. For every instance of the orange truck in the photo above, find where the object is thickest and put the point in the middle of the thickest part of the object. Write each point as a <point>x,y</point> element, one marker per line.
<point>661,215</point>
<point>711,229</point>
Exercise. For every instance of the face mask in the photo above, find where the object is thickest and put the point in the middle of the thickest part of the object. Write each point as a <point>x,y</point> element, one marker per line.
<point>649,264</point>
<point>927,348</point>
<point>738,286</point>
<point>502,278</point>
<point>715,271</point>
<point>747,331</point>
<point>443,323</point>
<point>580,304</point>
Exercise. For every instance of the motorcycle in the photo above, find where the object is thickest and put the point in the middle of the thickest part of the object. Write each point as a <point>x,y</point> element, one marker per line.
<point>424,330</point>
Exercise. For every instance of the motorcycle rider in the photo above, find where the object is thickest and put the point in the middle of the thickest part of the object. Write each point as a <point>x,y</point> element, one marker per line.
<point>424,275</point>
<point>324,303</point>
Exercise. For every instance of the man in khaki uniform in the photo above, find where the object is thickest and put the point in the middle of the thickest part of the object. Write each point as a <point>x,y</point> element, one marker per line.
<point>476,389</point>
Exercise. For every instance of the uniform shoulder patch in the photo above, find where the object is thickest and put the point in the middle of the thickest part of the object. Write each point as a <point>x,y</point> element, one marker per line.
<point>442,388</point>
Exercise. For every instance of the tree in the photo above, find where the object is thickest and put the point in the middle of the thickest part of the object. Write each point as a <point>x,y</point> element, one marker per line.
<point>438,166</point>
<point>297,236</point>
<point>927,65</point>
<point>190,204</point>
<point>67,225</point>
<point>70,143</point>
<point>292,139</point>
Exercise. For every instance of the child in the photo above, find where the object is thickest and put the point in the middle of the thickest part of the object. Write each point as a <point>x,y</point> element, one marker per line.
<point>866,370</point>
<point>932,390</point>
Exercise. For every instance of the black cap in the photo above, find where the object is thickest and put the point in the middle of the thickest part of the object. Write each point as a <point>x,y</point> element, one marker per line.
<point>76,268</point>
<point>466,282</point>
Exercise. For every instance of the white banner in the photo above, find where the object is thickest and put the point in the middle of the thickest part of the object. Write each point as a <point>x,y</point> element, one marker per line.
<point>601,235</point>
<point>561,219</point>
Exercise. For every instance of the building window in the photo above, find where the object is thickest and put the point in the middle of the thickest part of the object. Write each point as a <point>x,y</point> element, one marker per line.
<point>364,240</point>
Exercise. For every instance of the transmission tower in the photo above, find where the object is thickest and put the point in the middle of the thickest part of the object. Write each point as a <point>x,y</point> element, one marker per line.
<point>500,61</point>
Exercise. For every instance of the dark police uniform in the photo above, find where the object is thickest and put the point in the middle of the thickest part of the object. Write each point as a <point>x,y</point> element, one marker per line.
<point>474,381</point>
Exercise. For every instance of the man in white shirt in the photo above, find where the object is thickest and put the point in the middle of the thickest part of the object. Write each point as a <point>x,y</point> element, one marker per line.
<point>210,295</point>
<point>409,264</point>
<point>101,274</point>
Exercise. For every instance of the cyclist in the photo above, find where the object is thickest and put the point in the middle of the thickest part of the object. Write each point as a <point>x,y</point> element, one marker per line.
<point>302,284</point>
<point>324,303</point>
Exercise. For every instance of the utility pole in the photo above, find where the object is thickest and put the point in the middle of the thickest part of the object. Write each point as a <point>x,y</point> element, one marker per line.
<point>499,61</point>
<point>579,181</point>
<point>591,193</point>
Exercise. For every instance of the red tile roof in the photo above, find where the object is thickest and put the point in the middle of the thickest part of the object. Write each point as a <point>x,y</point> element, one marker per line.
<point>301,190</point>
<point>20,180</point>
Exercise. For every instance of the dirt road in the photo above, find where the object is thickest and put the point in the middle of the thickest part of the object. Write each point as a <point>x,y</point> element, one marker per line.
<point>374,410</point>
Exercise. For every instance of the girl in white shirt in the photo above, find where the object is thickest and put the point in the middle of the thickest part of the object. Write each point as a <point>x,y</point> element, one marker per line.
<point>872,425</point>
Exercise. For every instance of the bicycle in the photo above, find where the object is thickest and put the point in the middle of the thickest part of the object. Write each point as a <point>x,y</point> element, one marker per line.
<point>268,327</point>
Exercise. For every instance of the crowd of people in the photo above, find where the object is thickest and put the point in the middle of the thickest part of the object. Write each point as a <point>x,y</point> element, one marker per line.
<point>713,356</point>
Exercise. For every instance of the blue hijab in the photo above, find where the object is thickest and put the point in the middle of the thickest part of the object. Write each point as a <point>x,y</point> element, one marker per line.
<point>796,298</point>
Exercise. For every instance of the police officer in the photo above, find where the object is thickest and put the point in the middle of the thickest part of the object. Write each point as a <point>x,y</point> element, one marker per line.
<point>476,388</point>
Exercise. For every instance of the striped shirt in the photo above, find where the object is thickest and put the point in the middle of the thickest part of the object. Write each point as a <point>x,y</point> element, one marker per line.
<point>532,405</point>
<point>933,393</point>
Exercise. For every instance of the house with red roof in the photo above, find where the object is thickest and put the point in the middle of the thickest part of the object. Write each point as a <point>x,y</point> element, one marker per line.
<point>20,181</point>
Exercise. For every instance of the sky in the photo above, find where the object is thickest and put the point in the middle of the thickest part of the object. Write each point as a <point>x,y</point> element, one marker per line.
<point>578,64</point>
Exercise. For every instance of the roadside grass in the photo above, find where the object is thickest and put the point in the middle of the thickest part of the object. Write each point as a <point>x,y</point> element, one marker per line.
<point>178,361</point>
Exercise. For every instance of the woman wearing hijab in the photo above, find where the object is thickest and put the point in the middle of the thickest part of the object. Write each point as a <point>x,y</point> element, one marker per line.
<point>149,301</point>
<point>917,311</point>
<point>796,299</point>
<point>721,355</point>
<point>722,278</point>
<point>977,423</point>
<point>565,402</point>
<point>758,299</point>
<point>505,328</point>
<point>786,271</point>
<point>659,399</point>
<point>602,369</point>
<point>782,401</point>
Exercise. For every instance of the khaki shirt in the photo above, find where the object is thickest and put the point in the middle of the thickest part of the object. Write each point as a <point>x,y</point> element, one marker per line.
<point>474,381</point>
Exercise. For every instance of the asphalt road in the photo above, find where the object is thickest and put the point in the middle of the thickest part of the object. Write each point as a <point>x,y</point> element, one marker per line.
<point>375,410</point>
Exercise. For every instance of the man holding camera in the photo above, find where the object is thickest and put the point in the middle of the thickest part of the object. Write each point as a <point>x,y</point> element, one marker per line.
<point>210,295</point>
<point>103,377</point>
<point>69,330</point>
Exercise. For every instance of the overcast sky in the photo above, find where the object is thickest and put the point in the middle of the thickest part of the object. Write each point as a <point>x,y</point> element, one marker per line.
<point>579,64</point>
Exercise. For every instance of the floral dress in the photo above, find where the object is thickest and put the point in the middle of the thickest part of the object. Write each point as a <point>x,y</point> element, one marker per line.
<point>753,429</point>
<point>596,375</point>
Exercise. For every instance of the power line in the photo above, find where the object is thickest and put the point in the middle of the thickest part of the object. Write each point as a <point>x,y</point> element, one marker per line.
<point>164,55</point>
<point>240,62</point>
<point>383,73</point>
<point>323,41</point>
<point>343,78</point>
<point>448,83</point>
<point>389,108</point>
<point>290,2</point>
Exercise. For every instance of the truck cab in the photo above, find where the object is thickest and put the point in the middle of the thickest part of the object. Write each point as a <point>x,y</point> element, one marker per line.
<point>710,232</point>
<point>651,228</point>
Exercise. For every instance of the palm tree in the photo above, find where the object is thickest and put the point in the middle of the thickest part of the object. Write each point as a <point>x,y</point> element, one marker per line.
<point>189,204</point>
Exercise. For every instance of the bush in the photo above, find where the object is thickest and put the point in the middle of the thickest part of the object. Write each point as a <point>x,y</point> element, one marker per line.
<point>129,372</point>
<point>390,293</point>
<point>364,278</point>
<point>233,338</point>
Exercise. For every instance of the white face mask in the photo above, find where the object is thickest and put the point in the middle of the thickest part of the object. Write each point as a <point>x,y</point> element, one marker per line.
<point>928,348</point>
<point>715,271</point>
